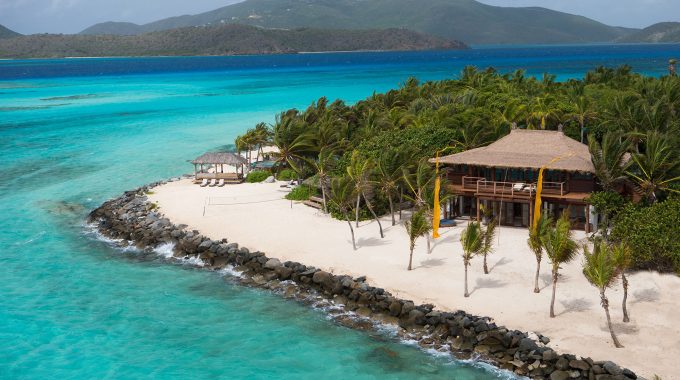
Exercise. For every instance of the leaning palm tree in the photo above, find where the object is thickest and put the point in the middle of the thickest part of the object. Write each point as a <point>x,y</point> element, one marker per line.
<point>536,236</point>
<point>416,227</point>
<point>601,270</point>
<point>323,165</point>
<point>389,172</point>
<point>623,257</point>
<point>488,234</point>
<point>342,197</point>
<point>472,240</point>
<point>560,248</point>
<point>359,171</point>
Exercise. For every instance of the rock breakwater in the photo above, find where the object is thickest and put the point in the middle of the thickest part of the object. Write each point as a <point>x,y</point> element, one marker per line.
<point>134,220</point>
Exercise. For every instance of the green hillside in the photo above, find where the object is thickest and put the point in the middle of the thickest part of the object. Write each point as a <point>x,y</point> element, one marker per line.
<point>231,39</point>
<point>6,33</point>
<point>465,20</point>
<point>661,32</point>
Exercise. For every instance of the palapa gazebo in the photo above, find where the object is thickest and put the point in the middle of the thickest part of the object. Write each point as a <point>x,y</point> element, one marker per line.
<point>218,160</point>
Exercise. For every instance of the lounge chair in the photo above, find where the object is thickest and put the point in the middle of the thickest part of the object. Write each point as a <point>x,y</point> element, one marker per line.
<point>518,187</point>
<point>213,182</point>
<point>221,183</point>
<point>204,183</point>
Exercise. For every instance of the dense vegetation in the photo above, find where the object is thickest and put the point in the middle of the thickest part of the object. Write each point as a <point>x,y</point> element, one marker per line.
<point>374,154</point>
<point>7,33</point>
<point>666,32</point>
<point>465,20</point>
<point>219,40</point>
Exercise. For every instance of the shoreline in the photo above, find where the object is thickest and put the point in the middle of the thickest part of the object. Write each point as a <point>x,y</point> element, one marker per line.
<point>132,218</point>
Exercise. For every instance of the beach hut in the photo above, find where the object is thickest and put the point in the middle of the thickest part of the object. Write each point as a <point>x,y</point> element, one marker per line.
<point>212,166</point>
<point>503,176</point>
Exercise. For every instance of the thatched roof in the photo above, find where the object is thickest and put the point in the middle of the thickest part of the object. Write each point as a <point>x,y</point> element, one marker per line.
<point>220,158</point>
<point>528,149</point>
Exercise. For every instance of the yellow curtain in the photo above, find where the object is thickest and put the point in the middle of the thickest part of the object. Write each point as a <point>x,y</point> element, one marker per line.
<point>436,214</point>
<point>537,205</point>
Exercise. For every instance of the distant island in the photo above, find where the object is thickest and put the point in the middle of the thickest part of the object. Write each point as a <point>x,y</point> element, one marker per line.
<point>6,33</point>
<point>465,20</point>
<point>229,39</point>
<point>663,32</point>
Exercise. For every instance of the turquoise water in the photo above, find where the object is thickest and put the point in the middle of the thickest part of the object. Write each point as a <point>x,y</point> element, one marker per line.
<point>76,132</point>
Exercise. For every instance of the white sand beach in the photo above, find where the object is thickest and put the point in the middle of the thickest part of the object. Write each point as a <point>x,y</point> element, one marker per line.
<point>256,216</point>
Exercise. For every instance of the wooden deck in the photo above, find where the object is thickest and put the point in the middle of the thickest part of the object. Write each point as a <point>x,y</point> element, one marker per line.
<point>514,191</point>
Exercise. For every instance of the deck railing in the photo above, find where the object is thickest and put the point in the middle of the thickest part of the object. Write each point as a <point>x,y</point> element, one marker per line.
<point>511,189</point>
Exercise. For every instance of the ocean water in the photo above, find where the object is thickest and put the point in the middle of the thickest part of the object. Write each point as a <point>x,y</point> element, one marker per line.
<point>76,132</point>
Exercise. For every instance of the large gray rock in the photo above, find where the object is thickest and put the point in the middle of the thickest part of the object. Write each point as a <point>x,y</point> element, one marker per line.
<point>612,368</point>
<point>269,179</point>
<point>559,375</point>
<point>272,264</point>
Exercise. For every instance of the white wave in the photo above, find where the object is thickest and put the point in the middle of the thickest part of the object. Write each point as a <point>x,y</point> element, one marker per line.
<point>166,250</point>
<point>229,270</point>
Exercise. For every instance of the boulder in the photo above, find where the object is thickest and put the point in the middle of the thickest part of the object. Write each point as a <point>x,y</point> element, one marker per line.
<point>269,179</point>
<point>559,375</point>
<point>272,264</point>
<point>612,369</point>
<point>579,364</point>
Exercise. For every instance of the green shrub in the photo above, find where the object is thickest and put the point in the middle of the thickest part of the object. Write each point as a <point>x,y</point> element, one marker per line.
<point>652,233</point>
<point>257,176</point>
<point>608,204</point>
<point>287,175</point>
<point>301,193</point>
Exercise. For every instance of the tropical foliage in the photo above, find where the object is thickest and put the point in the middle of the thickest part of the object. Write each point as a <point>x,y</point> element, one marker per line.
<point>383,144</point>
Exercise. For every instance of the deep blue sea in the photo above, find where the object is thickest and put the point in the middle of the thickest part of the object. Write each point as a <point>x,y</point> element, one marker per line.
<point>75,132</point>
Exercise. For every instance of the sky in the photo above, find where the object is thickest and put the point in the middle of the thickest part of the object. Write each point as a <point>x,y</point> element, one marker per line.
<point>72,16</point>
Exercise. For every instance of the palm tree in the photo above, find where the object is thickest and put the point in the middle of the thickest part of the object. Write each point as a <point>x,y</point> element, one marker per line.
<point>359,170</point>
<point>389,171</point>
<point>293,141</point>
<point>610,159</point>
<point>342,197</point>
<point>537,234</point>
<point>488,234</point>
<point>560,249</point>
<point>416,227</point>
<point>623,257</point>
<point>323,165</point>
<point>582,113</point>
<point>472,240</point>
<point>601,270</point>
<point>657,168</point>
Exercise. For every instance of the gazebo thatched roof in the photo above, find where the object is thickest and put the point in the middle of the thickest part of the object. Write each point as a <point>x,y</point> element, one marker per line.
<point>220,158</point>
<point>528,149</point>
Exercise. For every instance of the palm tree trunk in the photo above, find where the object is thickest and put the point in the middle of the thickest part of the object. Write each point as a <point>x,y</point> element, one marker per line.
<point>605,305</point>
<point>583,132</point>
<point>401,200</point>
<point>486,268</point>
<point>389,199</point>
<point>410,259</point>
<point>370,208</point>
<point>552,300</point>
<point>538,271</point>
<point>354,244</point>
<point>323,196</point>
<point>625,297</point>
<point>467,294</point>
<point>357,209</point>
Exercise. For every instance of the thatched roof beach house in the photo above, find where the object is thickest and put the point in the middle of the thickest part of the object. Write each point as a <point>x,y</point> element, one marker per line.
<point>216,161</point>
<point>503,178</point>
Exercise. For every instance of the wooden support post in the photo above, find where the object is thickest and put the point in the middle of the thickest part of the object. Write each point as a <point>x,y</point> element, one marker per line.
<point>479,215</point>
<point>587,219</point>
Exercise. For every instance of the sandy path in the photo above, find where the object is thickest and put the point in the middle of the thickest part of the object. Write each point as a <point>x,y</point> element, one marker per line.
<point>256,216</point>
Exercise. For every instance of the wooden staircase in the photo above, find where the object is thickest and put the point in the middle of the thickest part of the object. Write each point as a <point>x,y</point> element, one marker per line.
<point>314,202</point>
